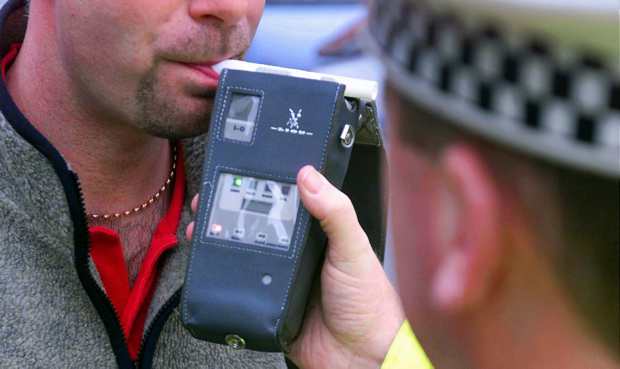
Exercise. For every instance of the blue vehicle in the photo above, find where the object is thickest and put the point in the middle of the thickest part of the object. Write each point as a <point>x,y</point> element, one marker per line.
<point>292,32</point>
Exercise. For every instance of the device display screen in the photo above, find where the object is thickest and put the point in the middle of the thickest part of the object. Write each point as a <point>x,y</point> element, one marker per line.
<point>254,211</point>
<point>241,118</point>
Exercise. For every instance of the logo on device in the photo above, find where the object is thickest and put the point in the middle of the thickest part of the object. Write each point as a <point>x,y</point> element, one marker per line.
<point>293,121</point>
<point>292,125</point>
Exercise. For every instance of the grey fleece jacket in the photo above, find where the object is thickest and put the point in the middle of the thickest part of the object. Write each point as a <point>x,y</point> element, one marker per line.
<point>53,311</point>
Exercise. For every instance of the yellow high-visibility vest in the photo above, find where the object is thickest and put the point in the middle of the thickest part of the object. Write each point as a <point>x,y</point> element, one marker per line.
<point>406,352</point>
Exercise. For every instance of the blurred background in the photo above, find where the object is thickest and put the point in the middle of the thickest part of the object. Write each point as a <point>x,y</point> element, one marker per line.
<point>319,35</point>
<point>292,32</point>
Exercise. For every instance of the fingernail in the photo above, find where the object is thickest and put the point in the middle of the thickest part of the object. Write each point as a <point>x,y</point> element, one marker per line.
<point>313,181</point>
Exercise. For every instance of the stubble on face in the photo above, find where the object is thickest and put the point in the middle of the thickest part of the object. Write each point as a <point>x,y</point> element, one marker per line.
<point>159,115</point>
<point>159,109</point>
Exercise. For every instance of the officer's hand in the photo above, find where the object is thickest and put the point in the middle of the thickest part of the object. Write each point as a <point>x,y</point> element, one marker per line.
<point>354,316</point>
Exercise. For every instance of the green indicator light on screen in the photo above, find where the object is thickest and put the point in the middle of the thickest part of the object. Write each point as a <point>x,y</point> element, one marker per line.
<point>238,181</point>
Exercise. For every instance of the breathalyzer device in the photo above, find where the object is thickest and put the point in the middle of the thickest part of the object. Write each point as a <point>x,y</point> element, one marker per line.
<point>256,251</point>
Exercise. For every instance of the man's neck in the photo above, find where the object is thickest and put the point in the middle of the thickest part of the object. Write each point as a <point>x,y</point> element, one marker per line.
<point>119,167</point>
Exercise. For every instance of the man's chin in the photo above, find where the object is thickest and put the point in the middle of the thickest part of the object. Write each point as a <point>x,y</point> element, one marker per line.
<point>179,121</point>
<point>179,131</point>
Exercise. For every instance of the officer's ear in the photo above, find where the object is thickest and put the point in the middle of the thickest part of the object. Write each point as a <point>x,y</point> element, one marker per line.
<point>470,231</point>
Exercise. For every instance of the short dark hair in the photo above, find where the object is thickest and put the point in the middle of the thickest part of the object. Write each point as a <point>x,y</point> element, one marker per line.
<point>584,236</point>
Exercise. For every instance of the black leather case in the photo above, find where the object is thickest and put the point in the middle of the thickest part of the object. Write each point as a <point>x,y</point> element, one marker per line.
<point>223,294</point>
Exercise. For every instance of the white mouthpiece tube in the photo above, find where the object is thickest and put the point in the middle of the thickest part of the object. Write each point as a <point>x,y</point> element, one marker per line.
<point>355,88</point>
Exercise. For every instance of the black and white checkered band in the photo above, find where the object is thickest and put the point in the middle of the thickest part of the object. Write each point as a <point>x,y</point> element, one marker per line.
<point>552,103</point>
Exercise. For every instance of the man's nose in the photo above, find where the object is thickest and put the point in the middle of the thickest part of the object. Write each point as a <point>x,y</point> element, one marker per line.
<point>230,12</point>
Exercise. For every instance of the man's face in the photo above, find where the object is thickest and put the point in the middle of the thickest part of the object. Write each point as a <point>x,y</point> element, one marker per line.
<point>146,63</point>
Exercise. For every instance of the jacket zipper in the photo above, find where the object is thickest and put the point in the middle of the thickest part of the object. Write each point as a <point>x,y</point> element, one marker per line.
<point>157,322</point>
<point>153,331</point>
<point>98,297</point>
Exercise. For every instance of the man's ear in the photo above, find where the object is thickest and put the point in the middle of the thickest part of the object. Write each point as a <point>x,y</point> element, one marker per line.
<point>471,242</point>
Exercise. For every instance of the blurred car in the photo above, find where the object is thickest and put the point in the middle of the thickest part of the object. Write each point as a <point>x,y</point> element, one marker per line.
<point>291,32</point>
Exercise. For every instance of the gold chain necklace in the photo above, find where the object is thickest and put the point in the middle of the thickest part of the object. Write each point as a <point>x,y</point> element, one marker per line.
<point>148,202</point>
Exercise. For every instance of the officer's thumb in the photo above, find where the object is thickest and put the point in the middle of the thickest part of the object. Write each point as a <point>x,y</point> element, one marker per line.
<point>348,244</point>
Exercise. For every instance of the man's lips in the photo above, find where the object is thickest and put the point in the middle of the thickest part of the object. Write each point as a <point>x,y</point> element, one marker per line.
<point>206,69</point>
<point>209,77</point>
<point>205,77</point>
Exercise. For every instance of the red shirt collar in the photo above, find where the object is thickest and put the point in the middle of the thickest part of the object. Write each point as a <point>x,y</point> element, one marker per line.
<point>131,303</point>
<point>9,58</point>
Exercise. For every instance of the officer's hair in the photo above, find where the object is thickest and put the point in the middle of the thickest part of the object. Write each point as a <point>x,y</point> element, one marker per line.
<point>582,232</point>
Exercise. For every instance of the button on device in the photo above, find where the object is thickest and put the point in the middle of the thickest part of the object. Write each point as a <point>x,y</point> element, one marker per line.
<point>216,229</point>
<point>238,130</point>
<point>235,341</point>
<point>236,184</point>
<point>286,190</point>
<point>241,117</point>
<point>261,237</point>
<point>251,190</point>
<point>238,233</point>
